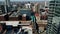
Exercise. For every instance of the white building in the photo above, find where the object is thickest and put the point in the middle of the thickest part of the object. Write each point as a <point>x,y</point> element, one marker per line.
<point>28,5</point>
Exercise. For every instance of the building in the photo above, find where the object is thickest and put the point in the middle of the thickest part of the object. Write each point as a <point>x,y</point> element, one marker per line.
<point>28,5</point>
<point>7,2</point>
<point>35,8</point>
<point>55,25</point>
<point>53,12</point>
<point>2,9</point>
<point>7,6</point>
<point>24,25</point>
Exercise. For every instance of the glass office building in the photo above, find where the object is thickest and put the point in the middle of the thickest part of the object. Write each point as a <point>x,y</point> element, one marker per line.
<point>54,11</point>
<point>7,6</point>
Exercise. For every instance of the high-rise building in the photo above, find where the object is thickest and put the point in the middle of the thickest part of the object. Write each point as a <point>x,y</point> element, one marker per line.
<point>7,5</point>
<point>7,2</point>
<point>55,25</point>
<point>54,11</point>
<point>36,7</point>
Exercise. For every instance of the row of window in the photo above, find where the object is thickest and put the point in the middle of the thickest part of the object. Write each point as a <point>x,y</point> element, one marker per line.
<point>55,1</point>
<point>54,5</point>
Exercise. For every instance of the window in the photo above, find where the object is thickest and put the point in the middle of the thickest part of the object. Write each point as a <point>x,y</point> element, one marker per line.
<point>57,1</point>
<point>51,4</point>
<point>52,1</point>
<point>57,4</point>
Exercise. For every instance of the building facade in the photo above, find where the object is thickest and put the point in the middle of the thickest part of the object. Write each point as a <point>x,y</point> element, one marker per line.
<point>7,6</point>
<point>54,6</point>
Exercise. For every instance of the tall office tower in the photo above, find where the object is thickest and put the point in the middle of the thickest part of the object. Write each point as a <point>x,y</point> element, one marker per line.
<point>36,7</point>
<point>7,5</point>
<point>54,11</point>
<point>7,2</point>
<point>45,3</point>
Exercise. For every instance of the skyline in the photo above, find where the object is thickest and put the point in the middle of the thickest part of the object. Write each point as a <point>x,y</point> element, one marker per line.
<point>26,0</point>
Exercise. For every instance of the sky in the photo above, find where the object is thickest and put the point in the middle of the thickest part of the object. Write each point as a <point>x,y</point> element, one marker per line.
<point>26,0</point>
